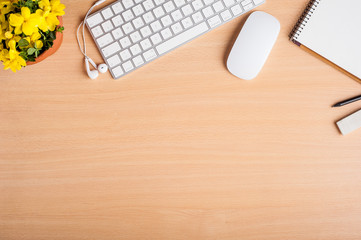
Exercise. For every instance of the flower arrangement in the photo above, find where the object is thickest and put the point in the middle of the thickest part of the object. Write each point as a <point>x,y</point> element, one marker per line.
<point>27,29</point>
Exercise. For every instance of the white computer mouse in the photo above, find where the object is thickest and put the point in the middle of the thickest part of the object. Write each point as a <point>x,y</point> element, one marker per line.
<point>253,45</point>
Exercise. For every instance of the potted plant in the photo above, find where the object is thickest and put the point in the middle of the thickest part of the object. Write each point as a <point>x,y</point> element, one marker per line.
<point>30,30</point>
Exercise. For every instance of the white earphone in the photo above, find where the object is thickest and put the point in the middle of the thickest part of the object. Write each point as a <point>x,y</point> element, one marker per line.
<point>102,68</point>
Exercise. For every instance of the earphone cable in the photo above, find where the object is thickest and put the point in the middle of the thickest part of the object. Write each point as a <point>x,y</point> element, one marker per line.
<point>82,24</point>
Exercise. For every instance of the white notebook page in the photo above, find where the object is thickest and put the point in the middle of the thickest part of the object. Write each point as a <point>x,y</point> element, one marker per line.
<point>334,32</point>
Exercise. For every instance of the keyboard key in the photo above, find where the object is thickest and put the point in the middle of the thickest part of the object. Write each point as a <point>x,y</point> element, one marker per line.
<point>117,33</point>
<point>135,36</point>
<point>117,20</point>
<point>208,11</point>
<point>248,7</point>
<point>179,3</point>
<point>145,44</point>
<point>156,26</point>
<point>169,6</point>
<point>138,22</point>
<point>148,17</point>
<point>138,61</point>
<point>104,40</point>
<point>208,2</point>
<point>128,28</point>
<point>94,20</point>
<point>125,55</point>
<point>125,42</point>
<point>166,33</point>
<point>128,3</point>
<point>187,10</point>
<point>258,1</point>
<point>111,49</point>
<point>148,4</point>
<point>182,38</point>
<point>138,10</point>
<point>107,26</point>
<point>214,21</point>
<point>128,15</point>
<point>97,31</point>
<point>117,8</point>
<point>145,31</point>
<point>176,28</point>
<point>177,15</point>
<point>166,21</point>
<point>158,2</point>
<point>197,17</point>
<point>135,49</point>
<point>236,10</point>
<point>229,3</point>
<point>158,12</point>
<point>128,66</point>
<point>226,15</point>
<point>197,4</point>
<point>107,13</point>
<point>187,22</point>
<point>113,61</point>
<point>218,6</point>
<point>246,2</point>
<point>117,72</point>
<point>149,55</point>
<point>156,38</point>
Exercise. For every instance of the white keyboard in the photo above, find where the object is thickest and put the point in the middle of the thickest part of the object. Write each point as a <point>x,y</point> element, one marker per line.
<point>132,33</point>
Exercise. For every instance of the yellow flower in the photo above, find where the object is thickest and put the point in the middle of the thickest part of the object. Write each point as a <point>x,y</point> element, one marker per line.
<point>25,22</point>
<point>45,5</point>
<point>38,44</point>
<point>48,21</point>
<point>33,41</point>
<point>12,58</point>
<point>7,6</point>
<point>14,64</point>
<point>3,54</point>
<point>35,36</point>
<point>8,33</point>
<point>57,8</point>
<point>9,36</point>
<point>52,6</point>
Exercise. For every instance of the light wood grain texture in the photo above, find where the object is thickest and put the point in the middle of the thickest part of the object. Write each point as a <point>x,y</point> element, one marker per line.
<point>179,149</point>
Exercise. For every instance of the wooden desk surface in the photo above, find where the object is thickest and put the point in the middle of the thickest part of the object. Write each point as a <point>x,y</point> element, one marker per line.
<point>180,149</point>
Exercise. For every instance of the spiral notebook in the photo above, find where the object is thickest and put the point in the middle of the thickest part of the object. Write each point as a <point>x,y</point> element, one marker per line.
<point>331,30</point>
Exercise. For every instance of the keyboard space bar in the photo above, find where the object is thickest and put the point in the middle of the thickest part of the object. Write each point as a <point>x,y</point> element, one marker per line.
<point>182,38</point>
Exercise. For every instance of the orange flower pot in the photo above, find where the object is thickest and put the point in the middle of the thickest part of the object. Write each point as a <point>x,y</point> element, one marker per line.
<point>57,43</point>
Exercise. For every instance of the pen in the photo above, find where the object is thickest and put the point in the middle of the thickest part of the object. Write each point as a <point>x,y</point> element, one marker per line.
<point>348,101</point>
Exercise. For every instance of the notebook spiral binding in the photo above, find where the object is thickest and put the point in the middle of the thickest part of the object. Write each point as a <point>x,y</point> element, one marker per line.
<point>303,20</point>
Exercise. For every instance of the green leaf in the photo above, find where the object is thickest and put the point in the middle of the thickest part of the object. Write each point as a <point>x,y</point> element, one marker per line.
<point>31,51</point>
<point>60,29</point>
<point>52,35</point>
<point>23,43</point>
<point>31,59</point>
<point>24,55</point>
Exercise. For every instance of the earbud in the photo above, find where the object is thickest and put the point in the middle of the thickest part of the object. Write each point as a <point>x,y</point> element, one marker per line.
<point>93,74</point>
<point>102,68</point>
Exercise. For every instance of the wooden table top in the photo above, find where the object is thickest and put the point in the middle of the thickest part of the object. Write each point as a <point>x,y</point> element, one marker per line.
<point>179,149</point>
